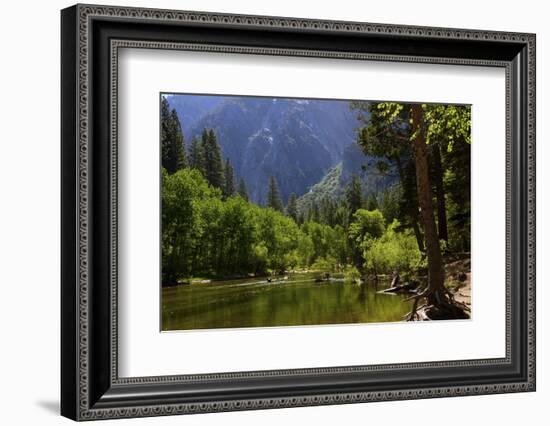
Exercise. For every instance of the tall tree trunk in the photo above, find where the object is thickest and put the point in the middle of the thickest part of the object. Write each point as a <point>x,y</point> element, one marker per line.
<point>433,250</point>
<point>440,193</point>
<point>413,214</point>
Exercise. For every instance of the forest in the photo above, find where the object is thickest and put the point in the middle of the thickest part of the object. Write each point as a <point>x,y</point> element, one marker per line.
<point>212,230</point>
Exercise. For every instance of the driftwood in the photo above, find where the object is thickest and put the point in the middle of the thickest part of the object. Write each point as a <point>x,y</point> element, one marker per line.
<point>397,287</point>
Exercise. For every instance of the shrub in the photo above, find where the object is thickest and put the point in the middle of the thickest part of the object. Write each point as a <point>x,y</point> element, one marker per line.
<point>393,251</point>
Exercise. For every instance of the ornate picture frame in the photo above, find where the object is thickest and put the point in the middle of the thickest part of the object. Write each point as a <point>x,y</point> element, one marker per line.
<point>91,37</point>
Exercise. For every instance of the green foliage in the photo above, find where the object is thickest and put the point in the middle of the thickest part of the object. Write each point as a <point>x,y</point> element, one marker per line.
<point>183,225</point>
<point>196,155</point>
<point>205,234</point>
<point>229,180</point>
<point>366,226</point>
<point>354,195</point>
<point>386,128</point>
<point>243,191</point>
<point>393,251</point>
<point>280,235</point>
<point>372,202</point>
<point>209,227</point>
<point>387,133</point>
<point>172,144</point>
<point>325,264</point>
<point>213,167</point>
<point>292,207</point>
<point>448,124</point>
<point>389,204</point>
<point>351,273</point>
<point>273,197</point>
<point>327,188</point>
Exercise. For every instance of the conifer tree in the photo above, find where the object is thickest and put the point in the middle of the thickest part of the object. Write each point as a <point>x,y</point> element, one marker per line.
<point>292,207</point>
<point>196,155</point>
<point>229,180</point>
<point>273,196</point>
<point>172,142</point>
<point>372,202</point>
<point>213,166</point>
<point>354,195</point>
<point>315,215</point>
<point>243,191</point>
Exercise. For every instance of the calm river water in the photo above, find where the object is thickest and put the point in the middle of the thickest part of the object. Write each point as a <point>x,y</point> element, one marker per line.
<point>257,303</point>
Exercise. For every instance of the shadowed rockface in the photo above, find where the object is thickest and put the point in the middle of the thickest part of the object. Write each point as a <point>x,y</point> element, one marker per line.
<point>297,141</point>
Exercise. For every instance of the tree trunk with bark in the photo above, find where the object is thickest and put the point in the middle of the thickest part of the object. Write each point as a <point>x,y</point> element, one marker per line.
<point>433,250</point>
<point>440,303</point>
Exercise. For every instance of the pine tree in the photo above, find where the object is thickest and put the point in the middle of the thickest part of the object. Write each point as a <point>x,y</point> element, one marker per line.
<point>178,142</point>
<point>164,130</point>
<point>273,196</point>
<point>354,195</point>
<point>292,207</point>
<point>172,143</point>
<point>213,166</point>
<point>372,202</point>
<point>229,180</point>
<point>313,212</point>
<point>196,155</point>
<point>243,191</point>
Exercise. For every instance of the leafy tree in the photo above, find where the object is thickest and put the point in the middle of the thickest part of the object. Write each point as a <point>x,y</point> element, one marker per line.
<point>427,123</point>
<point>292,207</point>
<point>182,221</point>
<point>322,237</point>
<point>236,236</point>
<point>395,250</point>
<point>273,197</point>
<point>449,139</point>
<point>280,239</point>
<point>366,226</point>
<point>229,180</point>
<point>340,245</point>
<point>172,143</point>
<point>243,191</point>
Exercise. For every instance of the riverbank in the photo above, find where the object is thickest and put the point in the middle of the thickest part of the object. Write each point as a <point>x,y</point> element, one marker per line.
<point>262,277</point>
<point>458,278</point>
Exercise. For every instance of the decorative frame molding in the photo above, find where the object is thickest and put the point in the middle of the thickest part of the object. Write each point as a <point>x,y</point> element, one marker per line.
<point>91,388</point>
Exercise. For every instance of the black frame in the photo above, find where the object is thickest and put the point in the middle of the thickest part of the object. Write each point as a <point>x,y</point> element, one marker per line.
<point>90,386</point>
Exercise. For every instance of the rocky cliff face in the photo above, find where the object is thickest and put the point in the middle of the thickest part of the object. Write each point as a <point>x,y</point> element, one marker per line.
<point>297,141</point>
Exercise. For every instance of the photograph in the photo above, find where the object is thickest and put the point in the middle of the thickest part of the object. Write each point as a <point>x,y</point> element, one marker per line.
<point>292,212</point>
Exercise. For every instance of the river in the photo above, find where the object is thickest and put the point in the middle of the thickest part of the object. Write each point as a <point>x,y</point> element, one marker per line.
<point>255,302</point>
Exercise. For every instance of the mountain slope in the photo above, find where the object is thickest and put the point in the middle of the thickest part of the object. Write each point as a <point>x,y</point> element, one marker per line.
<point>333,185</point>
<point>297,141</point>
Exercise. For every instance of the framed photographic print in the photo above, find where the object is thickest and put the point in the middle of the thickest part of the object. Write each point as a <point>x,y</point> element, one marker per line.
<point>263,212</point>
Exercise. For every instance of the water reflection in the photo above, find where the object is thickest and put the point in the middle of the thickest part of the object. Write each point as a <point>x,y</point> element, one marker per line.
<point>259,303</point>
